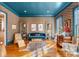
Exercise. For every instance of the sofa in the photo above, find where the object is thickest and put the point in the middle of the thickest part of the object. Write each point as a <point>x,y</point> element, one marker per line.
<point>71,48</point>
<point>36,35</point>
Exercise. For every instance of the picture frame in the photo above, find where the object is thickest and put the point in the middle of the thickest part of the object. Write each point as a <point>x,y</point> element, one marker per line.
<point>13,27</point>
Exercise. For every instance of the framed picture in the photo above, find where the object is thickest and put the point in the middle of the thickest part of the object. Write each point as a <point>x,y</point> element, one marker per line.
<point>40,27</point>
<point>13,27</point>
<point>33,27</point>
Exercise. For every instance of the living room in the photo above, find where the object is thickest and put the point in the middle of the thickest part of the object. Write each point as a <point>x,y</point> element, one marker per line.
<point>38,23</point>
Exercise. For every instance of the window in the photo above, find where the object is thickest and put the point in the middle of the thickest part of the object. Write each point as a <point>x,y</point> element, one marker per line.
<point>33,27</point>
<point>59,24</point>
<point>76,21</point>
<point>40,27</point>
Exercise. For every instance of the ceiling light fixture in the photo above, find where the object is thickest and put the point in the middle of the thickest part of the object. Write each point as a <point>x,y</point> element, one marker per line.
<point>48,11</point>
<point>25,11</point>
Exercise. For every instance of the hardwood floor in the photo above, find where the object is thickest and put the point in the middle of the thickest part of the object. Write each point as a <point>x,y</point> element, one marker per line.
<point>14,51</point>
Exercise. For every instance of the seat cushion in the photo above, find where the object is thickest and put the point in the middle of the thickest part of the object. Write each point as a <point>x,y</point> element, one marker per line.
<point>21,43</point>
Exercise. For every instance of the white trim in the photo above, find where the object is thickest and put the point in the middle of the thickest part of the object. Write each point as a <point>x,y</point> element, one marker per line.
<point>5,29</point>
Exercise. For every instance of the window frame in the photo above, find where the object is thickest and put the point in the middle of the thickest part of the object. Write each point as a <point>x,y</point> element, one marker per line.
<point>61,22</point>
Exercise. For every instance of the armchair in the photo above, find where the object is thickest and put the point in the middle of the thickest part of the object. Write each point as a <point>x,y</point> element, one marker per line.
<point>18,40</point>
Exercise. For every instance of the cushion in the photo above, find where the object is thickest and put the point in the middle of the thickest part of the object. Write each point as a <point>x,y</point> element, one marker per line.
<point>21,43</point>
<point>18,36</point>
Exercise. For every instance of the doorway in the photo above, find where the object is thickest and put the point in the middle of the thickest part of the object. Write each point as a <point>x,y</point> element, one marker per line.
<point>3,32</point>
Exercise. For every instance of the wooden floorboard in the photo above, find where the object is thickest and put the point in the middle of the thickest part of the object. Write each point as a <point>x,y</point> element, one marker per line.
<point>14,51</point>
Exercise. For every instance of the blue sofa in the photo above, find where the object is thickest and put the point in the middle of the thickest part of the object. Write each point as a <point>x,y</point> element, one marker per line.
<point>36,35</point>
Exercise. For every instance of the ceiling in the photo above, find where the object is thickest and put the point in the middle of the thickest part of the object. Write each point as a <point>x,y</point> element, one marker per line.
<point>24,9</point>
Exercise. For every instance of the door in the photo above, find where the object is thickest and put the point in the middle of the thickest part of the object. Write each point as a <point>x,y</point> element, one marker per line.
<point>59,25</point>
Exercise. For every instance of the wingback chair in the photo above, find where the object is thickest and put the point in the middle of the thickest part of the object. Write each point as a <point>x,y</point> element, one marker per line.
<point>18,39</point>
